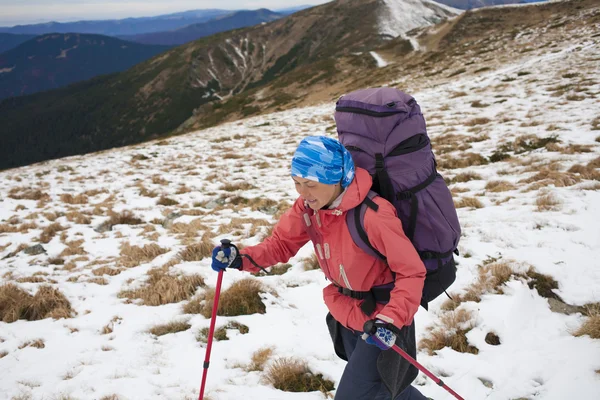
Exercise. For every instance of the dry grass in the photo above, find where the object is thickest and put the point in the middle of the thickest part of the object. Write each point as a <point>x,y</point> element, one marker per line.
<point>163,288</point>
<point>171,327</point>
<point>547,177</point>
<point>166,201</point>
<point>451,332</point>
<point>589,171</point>
<point>31,279</point>
<point>25,193</point>
<point>110,397</point>
<point>499,186</point>
<point>15,304</point>
<point>50,231</point>
<point>132,256</point>
<point>3,354</point>
<point>492,275</point>
<point>101,271</point>
<point>38,344</point>
<point>239,224</point>
<point>158,180</point>
<point>124,218</point>
<point>221,333</point>
<point>232,187</point>
<point>74,248</point>
<point>468,202</point>
<point>548,202</point>
<point>78,218</point>
<point>70,199</point>
<point>311,263</point>
<point>110,327</point>
<point>259,359</point>
<point>591,326</point>
<point>197,251</point>
<point>294,375</point>
<point>478,121</point>
<point>463,161</point>
<point>241,298</point>
<point>464,177</point>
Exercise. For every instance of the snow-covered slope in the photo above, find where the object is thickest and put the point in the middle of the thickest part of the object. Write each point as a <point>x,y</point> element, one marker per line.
<point>399,16</point>
<point>545,217</point>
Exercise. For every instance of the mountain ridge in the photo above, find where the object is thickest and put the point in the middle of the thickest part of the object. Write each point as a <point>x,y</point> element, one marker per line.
<point>188,33</point>
<point>231,75</point>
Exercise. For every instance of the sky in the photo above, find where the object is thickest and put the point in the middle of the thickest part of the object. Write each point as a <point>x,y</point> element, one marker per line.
<point>14,12</point>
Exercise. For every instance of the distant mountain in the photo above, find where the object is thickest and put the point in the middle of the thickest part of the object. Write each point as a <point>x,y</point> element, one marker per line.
<point>128,26</point>
<point>223,76</point>
<point>56,60</point>
<point>9,40</point>
<point>189,33</point>
<point>470,4</point>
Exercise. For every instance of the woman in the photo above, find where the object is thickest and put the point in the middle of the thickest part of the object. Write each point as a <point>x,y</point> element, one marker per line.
<point>329,186</point>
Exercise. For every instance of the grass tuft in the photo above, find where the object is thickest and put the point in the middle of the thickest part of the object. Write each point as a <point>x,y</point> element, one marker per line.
<point>241,298</point>
<point>311,263</point>
<point>499,186</point>
<point>221,333</point>
<point>171,327</point>
<point>470,202</point>
<point>15,304</point>
<point>132,256</point>
<point>163,288</point>
<point>294,375</point>
<point>591,326</point>
<point>259,359</point>
<point>451,332</point>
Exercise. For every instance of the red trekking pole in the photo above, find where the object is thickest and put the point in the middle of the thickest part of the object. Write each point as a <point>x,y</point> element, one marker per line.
<point>371,328</point>
<point>225,244</point>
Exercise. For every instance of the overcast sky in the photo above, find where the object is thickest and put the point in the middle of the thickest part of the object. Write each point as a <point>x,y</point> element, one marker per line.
<point>13,12</point>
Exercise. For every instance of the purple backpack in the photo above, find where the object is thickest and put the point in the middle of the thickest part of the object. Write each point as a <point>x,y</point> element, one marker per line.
<point>385,132</point>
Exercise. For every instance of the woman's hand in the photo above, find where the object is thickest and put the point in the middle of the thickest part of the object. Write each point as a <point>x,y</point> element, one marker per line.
<point>226,256</point>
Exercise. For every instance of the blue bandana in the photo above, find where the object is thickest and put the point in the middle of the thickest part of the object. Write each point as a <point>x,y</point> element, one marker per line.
<point>323,159</point>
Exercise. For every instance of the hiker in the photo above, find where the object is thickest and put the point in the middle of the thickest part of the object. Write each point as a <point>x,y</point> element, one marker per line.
<point>329,186</point>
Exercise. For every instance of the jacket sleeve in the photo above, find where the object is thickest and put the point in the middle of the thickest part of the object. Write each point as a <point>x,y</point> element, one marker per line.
<point>289,235</point>
<point>385,233</point>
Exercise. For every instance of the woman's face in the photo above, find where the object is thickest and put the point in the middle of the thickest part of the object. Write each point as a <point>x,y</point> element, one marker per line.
<point>316,194</point>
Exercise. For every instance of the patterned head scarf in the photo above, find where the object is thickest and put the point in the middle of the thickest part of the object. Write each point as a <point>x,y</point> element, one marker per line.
<point>323,159</point>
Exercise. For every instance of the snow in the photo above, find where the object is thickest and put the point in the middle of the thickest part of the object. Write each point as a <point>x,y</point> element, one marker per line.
<point>380,61</point>
<point>538,356</point>
<point>5,70</point>
<point>400,16</point>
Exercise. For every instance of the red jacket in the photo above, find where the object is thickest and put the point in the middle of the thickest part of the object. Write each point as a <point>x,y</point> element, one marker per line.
<point>344,263</point>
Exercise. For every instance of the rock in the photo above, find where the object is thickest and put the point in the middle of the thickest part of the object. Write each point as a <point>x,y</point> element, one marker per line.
<point>34,250</point>
<point>558,306</point>
<point>103,227</point>
<point>168,222</point>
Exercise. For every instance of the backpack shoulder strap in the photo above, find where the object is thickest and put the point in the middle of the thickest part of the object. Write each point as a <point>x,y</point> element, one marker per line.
<point>355,222</point>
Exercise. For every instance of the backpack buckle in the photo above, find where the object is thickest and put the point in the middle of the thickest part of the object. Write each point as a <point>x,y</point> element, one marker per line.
<point>379,164</point>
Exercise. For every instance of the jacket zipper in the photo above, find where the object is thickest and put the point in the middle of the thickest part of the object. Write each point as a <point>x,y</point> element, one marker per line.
<point>344,277</point>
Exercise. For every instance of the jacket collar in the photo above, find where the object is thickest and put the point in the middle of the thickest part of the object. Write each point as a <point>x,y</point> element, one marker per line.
<point>353,195</point>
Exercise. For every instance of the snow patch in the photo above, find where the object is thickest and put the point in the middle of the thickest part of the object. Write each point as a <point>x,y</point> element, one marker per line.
<point>380,61</point>
<point>4,70</point>
<point>63,53</point>
<point>400,16</point>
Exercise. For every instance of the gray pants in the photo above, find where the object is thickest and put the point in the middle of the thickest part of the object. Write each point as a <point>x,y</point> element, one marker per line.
<point>361,380</point>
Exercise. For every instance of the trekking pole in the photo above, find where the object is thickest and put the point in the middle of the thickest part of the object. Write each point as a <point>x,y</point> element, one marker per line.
<point>225,243</point>
<point>424,370</point>
<point>370,328</point>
